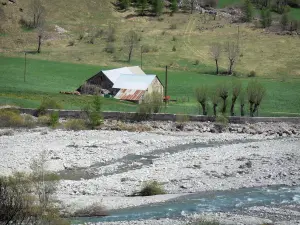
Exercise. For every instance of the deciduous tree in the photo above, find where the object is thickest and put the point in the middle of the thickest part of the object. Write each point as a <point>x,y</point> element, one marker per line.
<point>216,50</point>
<point>266,18</point>
<point>174,6</point>
<point>248,11</point>
<point>201,94</point>
<point>37,12</point>
<point>236,90</point>
<point>223,93</point>
<point>256,91</point>
<point>142,5</point>
<point>157,7</point>
<point>233,51</point>
<point>131,42</point>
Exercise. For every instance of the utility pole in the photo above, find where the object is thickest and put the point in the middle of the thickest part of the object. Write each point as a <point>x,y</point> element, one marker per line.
<point>142,57</point>
<point>25,67</point>
<point>166,86</point>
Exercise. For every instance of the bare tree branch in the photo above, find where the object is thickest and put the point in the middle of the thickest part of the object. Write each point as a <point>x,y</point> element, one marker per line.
<point>131,41</point>
<point>216,50</point>
<point>233,51</point>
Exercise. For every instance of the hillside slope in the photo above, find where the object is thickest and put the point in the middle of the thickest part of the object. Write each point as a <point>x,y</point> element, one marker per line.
<point>191,36</point>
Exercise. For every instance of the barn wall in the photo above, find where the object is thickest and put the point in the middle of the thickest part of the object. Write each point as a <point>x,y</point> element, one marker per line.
<point>155,86</point>
<point>101,80</point>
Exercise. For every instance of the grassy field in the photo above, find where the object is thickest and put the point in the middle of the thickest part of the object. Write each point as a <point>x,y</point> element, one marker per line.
<point>47,78</point>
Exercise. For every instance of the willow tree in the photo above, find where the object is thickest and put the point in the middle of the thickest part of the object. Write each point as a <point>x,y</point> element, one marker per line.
<point>131,41</point>
<point>201,94</point>
<point>236,90</point>
<point>256,92</point>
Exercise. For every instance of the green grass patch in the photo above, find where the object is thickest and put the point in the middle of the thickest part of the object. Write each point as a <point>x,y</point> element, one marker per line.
<point>295,13</point>
<point>225,3</point>
<point>46,78</point>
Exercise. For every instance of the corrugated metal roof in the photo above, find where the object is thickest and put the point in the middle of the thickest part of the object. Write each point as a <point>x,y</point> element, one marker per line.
<point>129,81</point>
<point>136,70</point>
<point>130,94</point>
<point>114,74</point>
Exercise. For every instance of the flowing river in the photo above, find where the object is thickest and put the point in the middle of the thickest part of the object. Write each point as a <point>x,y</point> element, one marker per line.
<point>218,201</point>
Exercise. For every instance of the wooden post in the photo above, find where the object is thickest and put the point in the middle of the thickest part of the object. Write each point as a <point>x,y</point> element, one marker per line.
<point>142,57</point>
<point>166,85</point>
<point>25,68</point>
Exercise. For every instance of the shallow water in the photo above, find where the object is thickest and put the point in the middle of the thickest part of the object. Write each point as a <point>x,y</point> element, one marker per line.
<point>219,201</point>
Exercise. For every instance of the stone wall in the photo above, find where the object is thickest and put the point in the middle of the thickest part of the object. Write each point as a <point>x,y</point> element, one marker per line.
<point>166,117</point>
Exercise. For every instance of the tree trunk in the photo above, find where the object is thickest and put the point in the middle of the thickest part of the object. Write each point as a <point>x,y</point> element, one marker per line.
<point>204,109</point>
<point>232,106</point>
<point>242,110</point>
<point>192,7</point>
<point>129,55</point>
<point>230,67</point>
<point>39,44</point>
<point>224,106</point>
<point>255,109</point>
<point>215,109</point>
<point>251,109</point>
<point>217,67</point>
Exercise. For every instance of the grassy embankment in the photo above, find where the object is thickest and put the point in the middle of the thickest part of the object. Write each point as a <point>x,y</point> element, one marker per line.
<point>47,78</point>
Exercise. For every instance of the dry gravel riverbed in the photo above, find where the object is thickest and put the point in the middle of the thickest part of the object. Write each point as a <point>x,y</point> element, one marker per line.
<point>105,165</point>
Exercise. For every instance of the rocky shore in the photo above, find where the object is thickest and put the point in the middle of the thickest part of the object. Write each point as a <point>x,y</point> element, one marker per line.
<point>107,165</point>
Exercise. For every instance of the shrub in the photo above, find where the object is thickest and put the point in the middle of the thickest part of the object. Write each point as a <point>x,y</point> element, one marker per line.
<point>99,33</point>
<point>75,124</point>
<point>205,222</point>
<point>143,111</point>
<point>152,188</point>
<point>90,211</point>
<point>146,48</point>
<point>26,24</point>
<point>44,120</point>
<point>252,74</point>
<point>266,18</point>
<point>90,89</point>
<point>211,3</point>
<point>80,36</point>
<point>91,40</point>
<point>111,34</point>
<point>11,118</point>
<point>174,38</point>
<point>110,48</point>
<point>151,103</point>
<point>181,120</point>
<point>160,19</point>
<point>221,122</point>
<point>133,127</point>
<point>28,199</point>
<point>54,119</point>
<point>48,103</point>
<point>174,48</point>
<point>71,43</point>
<point>29,121</point>
<point>155,49</point>
<point>93,114</point>
<point>197,62</point>
<point>173,26</point>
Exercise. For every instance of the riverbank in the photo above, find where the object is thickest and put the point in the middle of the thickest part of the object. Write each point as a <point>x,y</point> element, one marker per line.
<point>106,166</point>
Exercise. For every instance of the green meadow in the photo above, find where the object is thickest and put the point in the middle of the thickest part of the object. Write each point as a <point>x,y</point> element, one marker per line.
<point>48,78</point>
